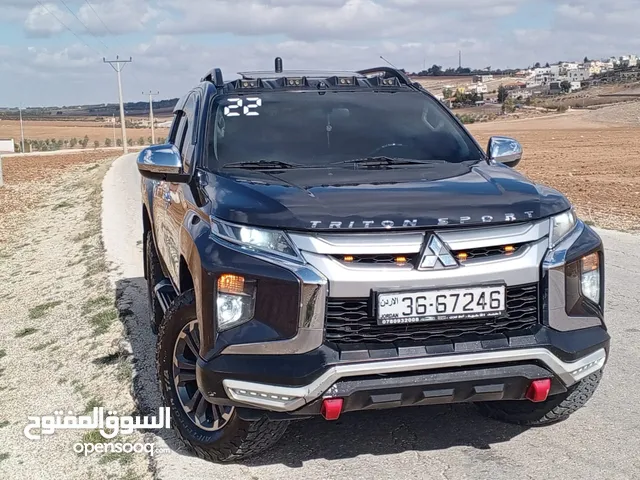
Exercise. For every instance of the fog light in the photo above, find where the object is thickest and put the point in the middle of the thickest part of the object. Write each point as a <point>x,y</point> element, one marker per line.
<point>590,277</point>
<point>235,302</point>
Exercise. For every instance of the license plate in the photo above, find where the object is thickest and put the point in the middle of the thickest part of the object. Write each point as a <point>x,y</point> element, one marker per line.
<point>446,304</point>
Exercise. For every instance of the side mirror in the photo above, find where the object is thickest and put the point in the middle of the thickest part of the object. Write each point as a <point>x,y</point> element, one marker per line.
<point>162,162</point>
<point>504,150</point>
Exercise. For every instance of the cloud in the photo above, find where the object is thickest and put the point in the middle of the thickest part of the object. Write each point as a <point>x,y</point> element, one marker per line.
<point>117,16</point>
<point>174,42</point>
<point>40,21</point>
<point>94,18</point>
<point>335,19</point>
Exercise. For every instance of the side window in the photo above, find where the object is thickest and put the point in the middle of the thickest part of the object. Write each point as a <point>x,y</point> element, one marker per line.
<point>186,147</point>
<point>177,131</point>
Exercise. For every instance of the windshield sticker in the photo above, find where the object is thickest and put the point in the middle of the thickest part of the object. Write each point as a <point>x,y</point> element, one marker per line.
<point>237,105</point>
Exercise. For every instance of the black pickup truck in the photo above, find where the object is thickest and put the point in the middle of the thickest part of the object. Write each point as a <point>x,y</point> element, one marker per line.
<point>318,243</point>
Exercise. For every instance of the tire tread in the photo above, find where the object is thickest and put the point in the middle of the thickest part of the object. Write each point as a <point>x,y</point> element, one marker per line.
<point>555,409</point>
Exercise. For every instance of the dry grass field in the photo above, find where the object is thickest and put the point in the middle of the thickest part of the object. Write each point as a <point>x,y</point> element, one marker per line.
<point>66,130</point>
<point>436,84</point>
<point>595,164</point>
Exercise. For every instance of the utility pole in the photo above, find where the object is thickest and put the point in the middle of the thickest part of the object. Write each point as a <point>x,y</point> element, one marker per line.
<point>459,58</point>
<point>114,130</point>
<point>21,131</point>
<point>118,66</point>
<point>153,131</point>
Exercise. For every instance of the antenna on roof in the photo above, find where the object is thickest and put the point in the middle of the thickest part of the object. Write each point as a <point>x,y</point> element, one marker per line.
<point>389,62</point>
<point>278,65</point>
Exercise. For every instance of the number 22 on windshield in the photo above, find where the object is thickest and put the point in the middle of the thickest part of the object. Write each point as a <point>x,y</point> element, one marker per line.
<point>237,105</point>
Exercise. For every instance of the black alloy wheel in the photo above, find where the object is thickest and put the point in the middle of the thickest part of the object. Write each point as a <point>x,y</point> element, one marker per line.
<point>203,414</point>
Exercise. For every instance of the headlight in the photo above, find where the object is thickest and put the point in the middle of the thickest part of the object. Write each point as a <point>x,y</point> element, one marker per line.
<point>590,277</point>
<point>561,225</point>
<point>236,300</point>
<point>272,241</point>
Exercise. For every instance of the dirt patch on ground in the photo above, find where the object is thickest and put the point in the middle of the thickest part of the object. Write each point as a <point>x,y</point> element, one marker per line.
<point>61,339</point>
<point>625,114</point>
<point>596,165</point>
<point>24,178</point>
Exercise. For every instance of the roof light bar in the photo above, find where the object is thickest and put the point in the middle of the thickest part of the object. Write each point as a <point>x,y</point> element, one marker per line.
<point>249,83</point>
<point>342,81</point>
<point>381,81</point>
<point>295,82</point>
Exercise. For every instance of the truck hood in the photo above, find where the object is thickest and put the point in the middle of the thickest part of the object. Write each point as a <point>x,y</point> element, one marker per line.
<point>390,198</point>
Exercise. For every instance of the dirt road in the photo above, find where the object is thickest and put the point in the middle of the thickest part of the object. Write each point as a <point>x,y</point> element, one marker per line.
<point>600,441</point>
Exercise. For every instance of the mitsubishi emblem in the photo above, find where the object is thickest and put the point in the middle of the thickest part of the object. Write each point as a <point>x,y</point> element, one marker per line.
<point>436,251</point>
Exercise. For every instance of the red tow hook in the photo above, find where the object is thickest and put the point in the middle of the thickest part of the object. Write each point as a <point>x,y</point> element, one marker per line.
<point>331,408</point>
<point>538,391</point>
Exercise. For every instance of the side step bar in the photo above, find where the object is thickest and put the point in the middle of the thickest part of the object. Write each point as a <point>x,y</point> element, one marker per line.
<point>165,293</point>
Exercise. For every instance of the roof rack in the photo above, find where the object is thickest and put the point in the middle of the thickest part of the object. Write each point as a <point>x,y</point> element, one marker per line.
<point>384,76</point>
<point>316,74</point>
<point>387,72</point>
<point>214,76</point>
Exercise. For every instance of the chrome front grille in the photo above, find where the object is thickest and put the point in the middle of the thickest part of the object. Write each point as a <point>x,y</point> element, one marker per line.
<point>489,252</point>
<point>402,259</point>
<point>352,320</point>
<point>355,263</point>
<point>380,259</point>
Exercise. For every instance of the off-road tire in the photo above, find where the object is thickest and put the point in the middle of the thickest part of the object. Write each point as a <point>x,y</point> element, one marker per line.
<point>555,409</point>
<point>238,439</point>
<point>154,276</point>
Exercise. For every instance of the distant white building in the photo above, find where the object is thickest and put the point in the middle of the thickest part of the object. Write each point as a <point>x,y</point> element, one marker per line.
<point>7,145</point>
<point>606,66</point>
<point>556,86</point>
<point>482,78</point>
<point>578,74</point>
<point>568,65</point>
<point>524,73</point>
<point>541,76</point>
<point>594,66</point>
<point>520,94</point>
<point>477,88</point>
<point>629,60</point>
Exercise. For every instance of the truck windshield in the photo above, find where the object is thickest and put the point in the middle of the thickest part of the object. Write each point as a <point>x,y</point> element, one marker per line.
<point>321,128</point>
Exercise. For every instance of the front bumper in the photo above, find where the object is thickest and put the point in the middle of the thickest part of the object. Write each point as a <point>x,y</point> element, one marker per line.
<point>292,375</point>
<point>494,369</point>
<point>287,399</point>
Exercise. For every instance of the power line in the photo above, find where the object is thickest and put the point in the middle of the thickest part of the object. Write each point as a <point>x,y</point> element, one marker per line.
<point>84,24</point>
<point>99,18</point>
<point>65,26</point>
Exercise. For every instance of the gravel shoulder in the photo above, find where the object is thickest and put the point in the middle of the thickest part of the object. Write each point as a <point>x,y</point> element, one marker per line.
<point>61,338</point>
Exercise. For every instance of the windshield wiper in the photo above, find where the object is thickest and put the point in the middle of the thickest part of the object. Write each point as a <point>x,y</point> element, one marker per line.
<point>383,161</point>
<point>264,164</point>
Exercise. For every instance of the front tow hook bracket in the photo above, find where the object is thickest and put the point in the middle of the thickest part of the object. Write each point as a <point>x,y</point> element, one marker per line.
<point>331,408</point>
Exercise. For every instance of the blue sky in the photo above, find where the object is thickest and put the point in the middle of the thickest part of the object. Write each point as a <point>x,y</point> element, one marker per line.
<point>173,42</point>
